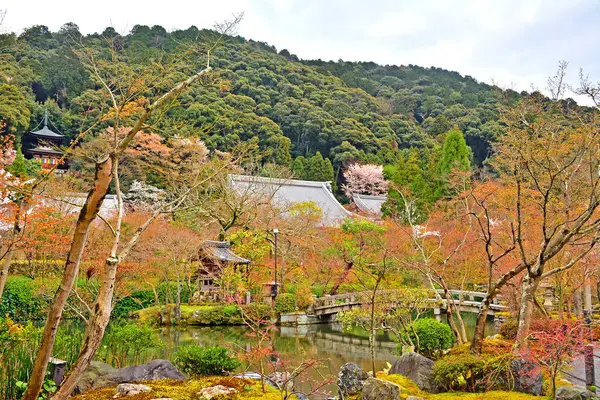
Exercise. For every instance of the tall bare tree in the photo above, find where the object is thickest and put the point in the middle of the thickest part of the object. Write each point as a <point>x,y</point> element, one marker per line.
<point>129,95</point>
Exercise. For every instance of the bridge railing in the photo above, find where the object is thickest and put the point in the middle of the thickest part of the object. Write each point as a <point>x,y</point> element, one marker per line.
<point>464,298</point>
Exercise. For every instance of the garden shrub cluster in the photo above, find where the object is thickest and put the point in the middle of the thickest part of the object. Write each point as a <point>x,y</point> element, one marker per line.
<point>508,329</point>
<point>20,301</point>
<point>285,303</point>
<point>205,314</point>
<point>434,337</point>
<point>461,370</point>
<point>205,361</point>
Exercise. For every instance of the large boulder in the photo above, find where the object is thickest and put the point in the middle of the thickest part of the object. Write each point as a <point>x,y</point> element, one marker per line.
<point>154,370</point>
<point>351,379</point>
<point>418,369</point>
<point>95,376</point>
<point>377,389</point>
<point>528,377</point>
<point>99,375</point>
<point>573,393</point>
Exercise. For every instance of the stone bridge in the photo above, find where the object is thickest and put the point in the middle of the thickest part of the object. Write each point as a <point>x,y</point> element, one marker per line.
<point>465,301</point>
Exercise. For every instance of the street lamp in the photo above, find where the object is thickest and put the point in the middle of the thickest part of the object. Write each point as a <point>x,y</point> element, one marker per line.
<point>275,233</point>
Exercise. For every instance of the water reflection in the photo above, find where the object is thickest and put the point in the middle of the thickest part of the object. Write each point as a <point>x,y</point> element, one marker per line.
<point>328,342</point>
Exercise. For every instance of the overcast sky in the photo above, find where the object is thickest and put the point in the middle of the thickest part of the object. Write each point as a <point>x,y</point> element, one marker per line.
<point>515,43</point>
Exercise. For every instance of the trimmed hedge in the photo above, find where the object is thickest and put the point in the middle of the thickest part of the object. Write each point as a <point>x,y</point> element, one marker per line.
<point>205,361</point>
<point>204,314</point>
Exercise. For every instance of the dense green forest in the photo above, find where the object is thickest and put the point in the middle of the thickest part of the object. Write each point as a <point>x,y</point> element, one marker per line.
<point>341,111</point>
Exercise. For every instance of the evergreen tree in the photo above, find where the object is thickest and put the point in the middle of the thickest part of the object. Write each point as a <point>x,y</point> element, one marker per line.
<point>18,167</point>
<point>319,169</point>
<point>299,167</point>
<point>455,153</point>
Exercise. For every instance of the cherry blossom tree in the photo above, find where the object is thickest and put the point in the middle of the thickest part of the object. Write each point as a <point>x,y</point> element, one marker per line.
<point>364,179</point>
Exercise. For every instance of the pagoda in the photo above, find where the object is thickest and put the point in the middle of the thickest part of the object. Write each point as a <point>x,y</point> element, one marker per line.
<point>44,144</point>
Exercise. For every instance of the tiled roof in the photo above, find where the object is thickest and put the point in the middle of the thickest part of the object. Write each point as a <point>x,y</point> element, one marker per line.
<point>47,133</point>
<point>285,192</point>
<point>221,251</point>
<point>45,150</point>
<point>369,204</point>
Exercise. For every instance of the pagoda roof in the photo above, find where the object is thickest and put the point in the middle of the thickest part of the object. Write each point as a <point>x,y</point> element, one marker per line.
<point>221,251</point>
<point>45,150</point>
<point>47,133</point>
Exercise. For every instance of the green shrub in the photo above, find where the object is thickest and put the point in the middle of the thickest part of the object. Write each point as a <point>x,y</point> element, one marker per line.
<point>508,329</point>
<point>205,361</point>
<point>434,337</point>
<point>125,344</point>
<point>162,289</point>
<point>459,372</point>
<point>19,300</point>
<point>134,302</point>
<point>285,303</point>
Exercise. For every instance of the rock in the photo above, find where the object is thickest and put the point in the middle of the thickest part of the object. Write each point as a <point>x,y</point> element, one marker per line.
<point>528,377</point>
<point>281,379</point>
<point>99,375</point>
<point>95,376</point>
<point>414,398</point>
<point>131,389</point>
<point>573,393</point>
<point>351,379</point>
<point>154,370</point>
<point>214,391</point>
<point>377,389</point>
<point>418,369</point>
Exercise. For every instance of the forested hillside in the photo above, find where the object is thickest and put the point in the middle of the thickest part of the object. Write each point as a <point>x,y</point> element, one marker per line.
<point>344,111</point>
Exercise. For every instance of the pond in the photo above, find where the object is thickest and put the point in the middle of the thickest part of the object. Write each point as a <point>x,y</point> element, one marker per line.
<point>327,342</point>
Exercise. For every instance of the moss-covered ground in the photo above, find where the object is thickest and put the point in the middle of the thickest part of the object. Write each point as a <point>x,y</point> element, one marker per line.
<point>249,389</point>
<point>410,389</point>
<point>188,390</point>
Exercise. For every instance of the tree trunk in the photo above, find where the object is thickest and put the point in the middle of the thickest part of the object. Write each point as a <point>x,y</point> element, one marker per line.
<point>102,179</point>
<point>578,303</point>
<point>178,302</point>
<point>372,333</point>
<point>587,300</point>
<point>342,278</point>
<point>94,331</point>
<point>11,249</point>
<point>529,287</point>
<point>450,316</point>
<point>479,333</point>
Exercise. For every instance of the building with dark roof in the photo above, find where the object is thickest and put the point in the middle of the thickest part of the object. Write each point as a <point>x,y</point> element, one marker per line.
<point>213,257</point>
<point>369,205</point>
<point>283,193</point>
<point>45,146</point>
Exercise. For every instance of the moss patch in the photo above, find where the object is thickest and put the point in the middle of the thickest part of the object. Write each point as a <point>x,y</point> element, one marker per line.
<point>188,390</point>
<point>409,388</point>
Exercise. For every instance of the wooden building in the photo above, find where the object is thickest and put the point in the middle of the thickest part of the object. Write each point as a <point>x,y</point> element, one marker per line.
<point>44,146</point>
<point>213,258</point>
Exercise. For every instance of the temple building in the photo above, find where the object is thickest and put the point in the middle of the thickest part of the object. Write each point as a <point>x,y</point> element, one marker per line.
<point>282,193</point>
<point>44,145</point>
<point>213,258</point>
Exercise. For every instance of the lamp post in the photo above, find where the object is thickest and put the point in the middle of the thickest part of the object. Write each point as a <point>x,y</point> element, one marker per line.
<point>275,233</point>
